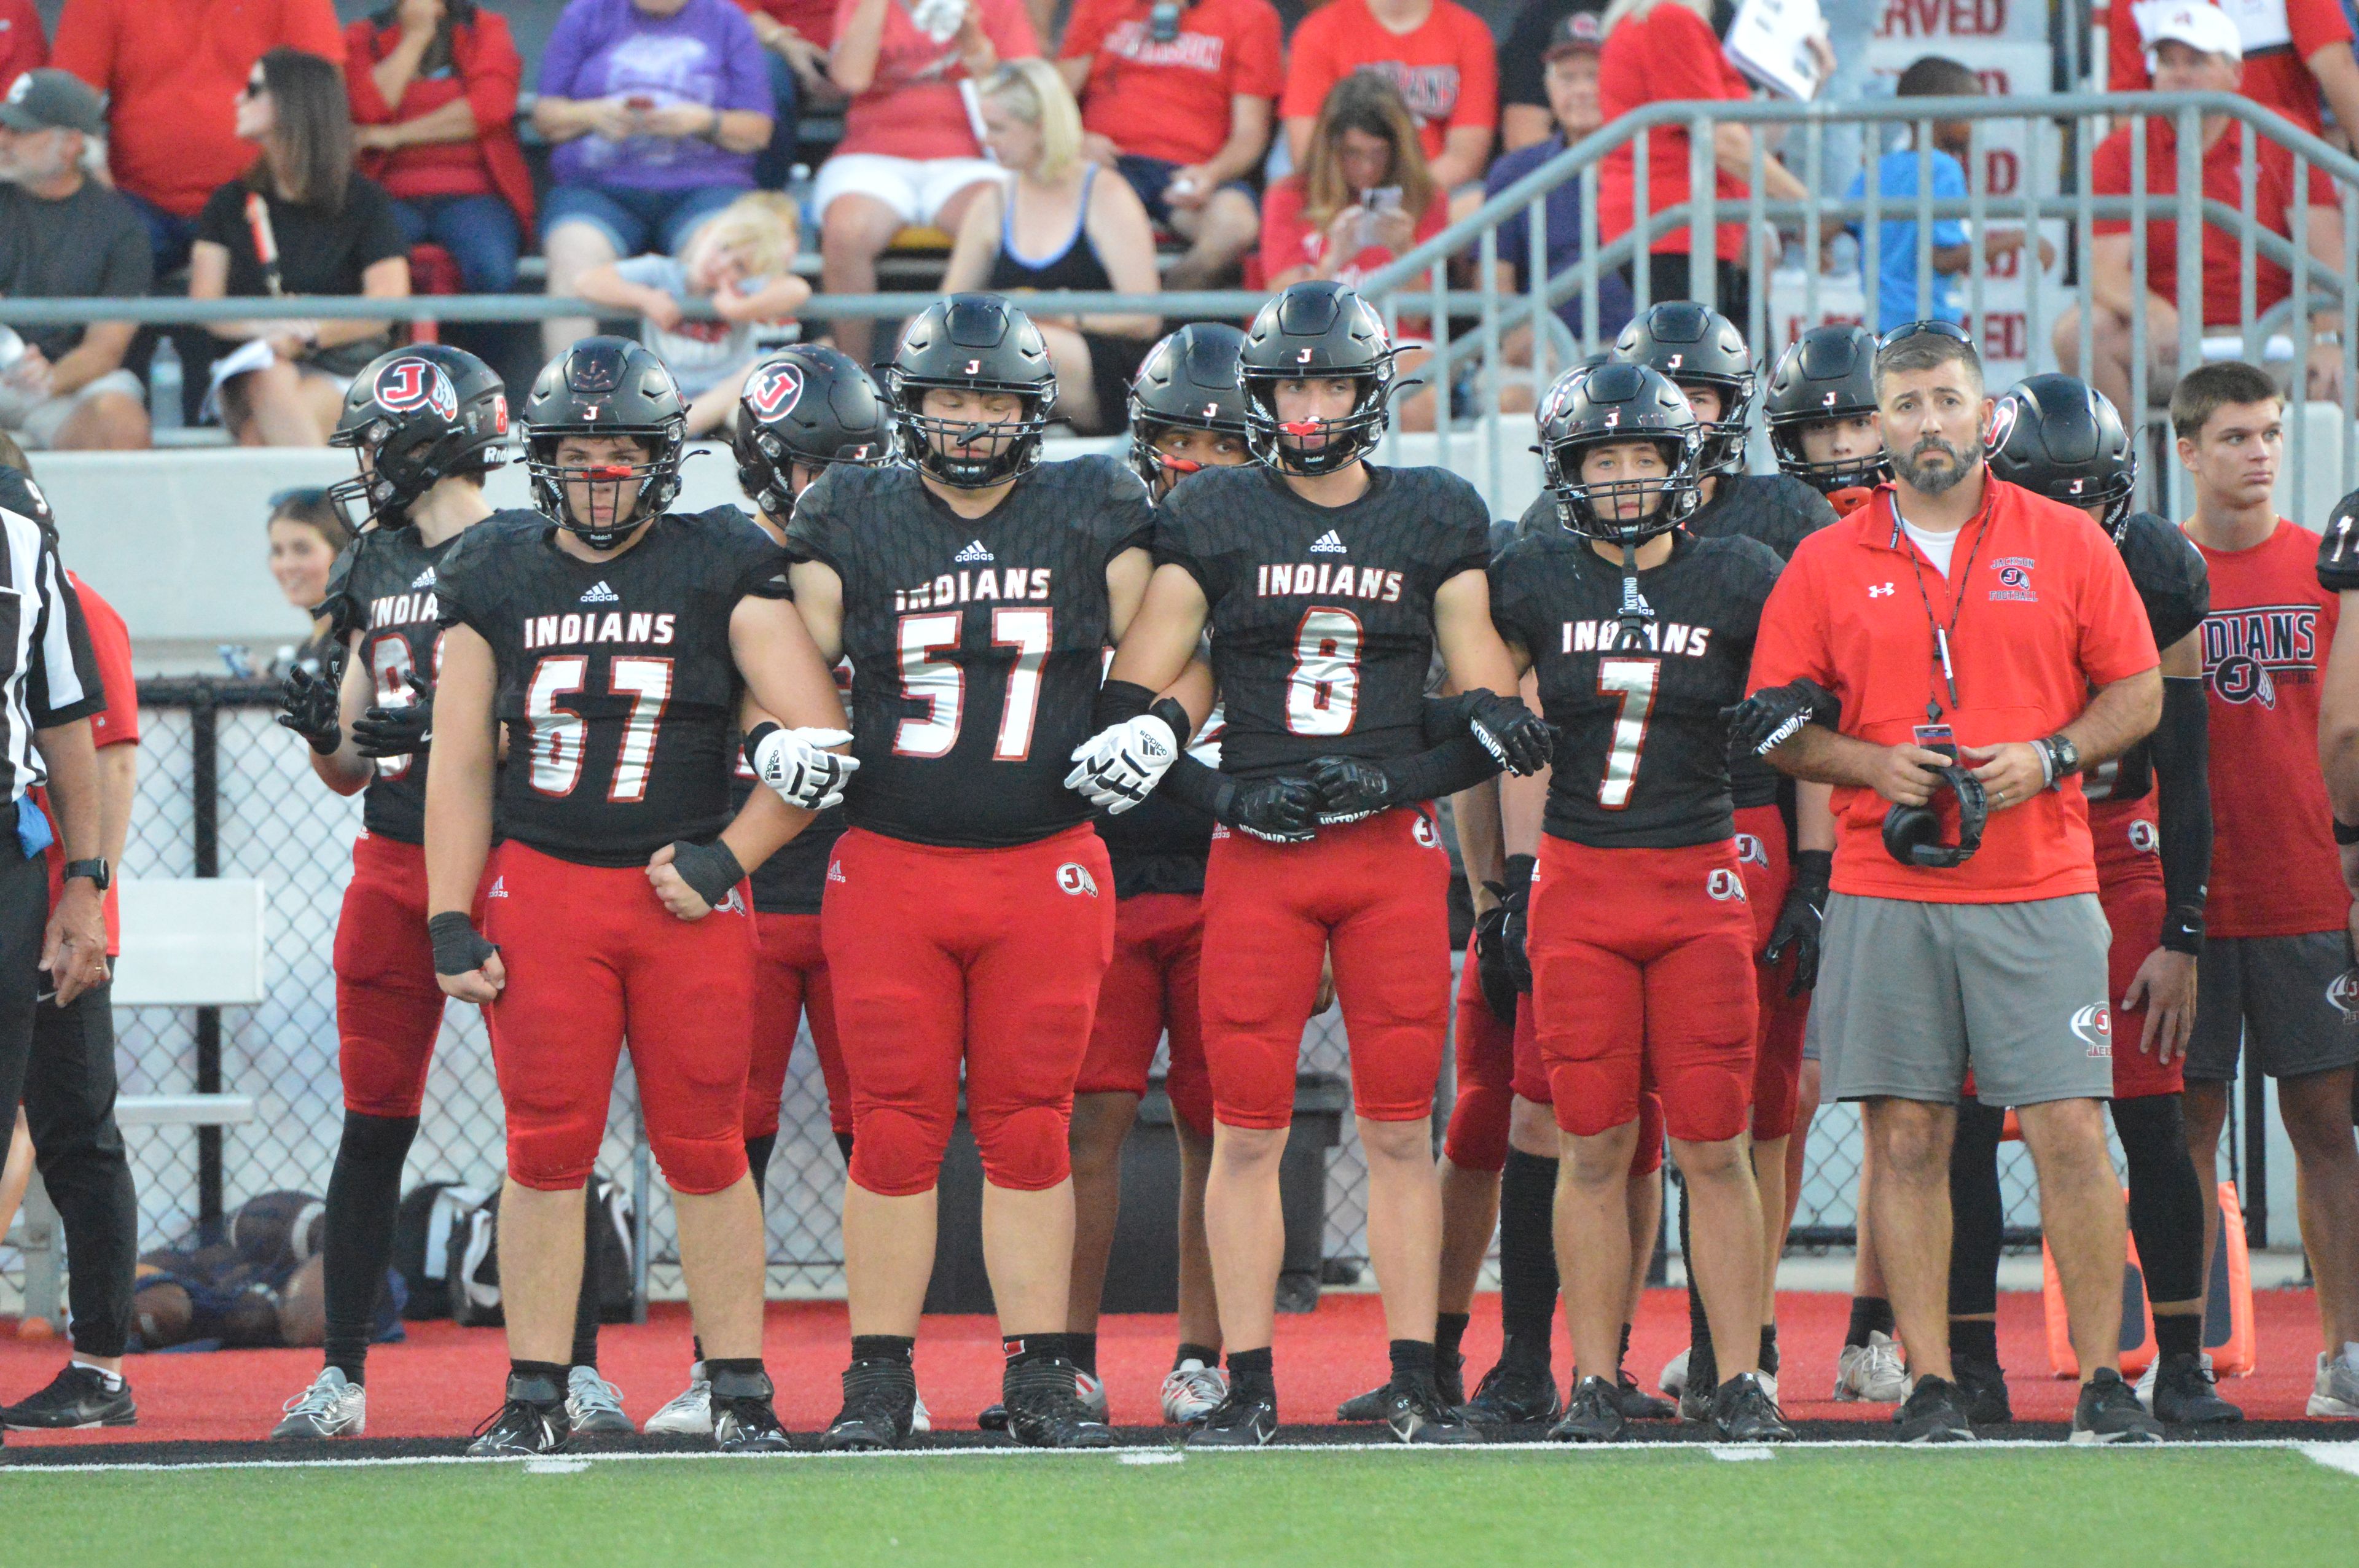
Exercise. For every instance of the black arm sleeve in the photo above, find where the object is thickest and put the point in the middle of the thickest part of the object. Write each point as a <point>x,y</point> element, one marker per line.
<point>1190,782</point>
<point>1120,701</point>
<point>1458,763</point>
<point>2183,802</point>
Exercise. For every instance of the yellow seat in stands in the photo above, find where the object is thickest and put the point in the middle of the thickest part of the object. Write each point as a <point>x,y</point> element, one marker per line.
<point>922,238</point>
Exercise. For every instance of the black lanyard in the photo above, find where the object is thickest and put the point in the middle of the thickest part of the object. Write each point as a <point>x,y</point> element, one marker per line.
<point>1957,608</point>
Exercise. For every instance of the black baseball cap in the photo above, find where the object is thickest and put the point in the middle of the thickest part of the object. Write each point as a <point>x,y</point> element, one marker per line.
<point>1574,30</point>
<point>50,99</point>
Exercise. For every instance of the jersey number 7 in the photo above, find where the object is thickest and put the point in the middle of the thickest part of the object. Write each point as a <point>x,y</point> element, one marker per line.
<point>940,684</point>
<point>1633,681</point>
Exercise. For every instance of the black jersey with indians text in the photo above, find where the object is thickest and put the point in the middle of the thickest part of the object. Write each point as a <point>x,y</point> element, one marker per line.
<point>976,643</point>
<point>381,603</point>
<point>617,689</point>
<point>1321,616</point>
<point>2175,586</point>
<point>2338,547</point>
<point>1642,751</point>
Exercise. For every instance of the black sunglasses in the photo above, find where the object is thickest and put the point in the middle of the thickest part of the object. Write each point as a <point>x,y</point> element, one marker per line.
<point>255,88</point>
<point>1908,330</point>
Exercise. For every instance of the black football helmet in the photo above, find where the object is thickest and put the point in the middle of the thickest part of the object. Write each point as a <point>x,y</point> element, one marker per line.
<point>1829,373</point>
<point>1691,345</point>
<point>2059,437</point>
<point>971,343</point>
<point>811,405</point>
<point>1189,381</point>
<point>606,386</point>
<point>417,417</point>
<point>1619,402</point>
<point>1315,330</point>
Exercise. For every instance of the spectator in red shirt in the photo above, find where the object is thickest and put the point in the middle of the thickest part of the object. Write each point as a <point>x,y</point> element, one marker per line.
<point>1436,53</point>
<point>171,74</point>
<point>1182,112</point>
<point>910,157</point>
<point>433,90</point>
<point>796,33</point>
<point>2196,49</point>
<point>2295,52</point>
<point>1666,50</point>
<point>23,46</point>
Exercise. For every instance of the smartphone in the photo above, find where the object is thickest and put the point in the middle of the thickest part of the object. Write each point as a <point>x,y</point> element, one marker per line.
<point>1937,738</point>
<point>638,104</point>
<point>1383,198</point>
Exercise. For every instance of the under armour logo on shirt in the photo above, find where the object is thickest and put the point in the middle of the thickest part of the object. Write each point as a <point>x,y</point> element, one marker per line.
<point>1876,591</point>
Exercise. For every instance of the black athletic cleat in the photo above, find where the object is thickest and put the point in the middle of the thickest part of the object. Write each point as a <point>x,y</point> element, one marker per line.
<point>993,1418</point>
<point>1742,1411</point>
<point>1416,1413</point>
<point>742,1420</point>
<point>532,1420</point>
<point>2109,1413</point>
<point>1517,1391</point>
<point>1931,1415</point>
<point>1983,1387</point>
<point>878,1399</point>
<point>1449,1381</point>
<point>1241,1420</point>
<point>2184,1394</point>
<point>77,1397</point>
<point>1636,1403</point>
<point>1593,1416</point>
<point>1044,1410</point>
<point>1702,1382</point>
<point>1370,1406</point>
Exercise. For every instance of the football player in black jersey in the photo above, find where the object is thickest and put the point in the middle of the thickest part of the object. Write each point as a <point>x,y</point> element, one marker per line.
<point>969,909</point>
<point>1785,833</point>
<point>613,641</point>
<point>2338,738</point>
<point>1326,582</point>
<point>801,411</point>
<point>2150,814</point>
<point>1640,941</point>
<point>426,425</point>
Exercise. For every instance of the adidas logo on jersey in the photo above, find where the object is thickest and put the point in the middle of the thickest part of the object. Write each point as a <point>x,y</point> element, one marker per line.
<point>835,871</point>
<point>1327,544</point>
<point>974,555</point>
<point>599,593</point>
<point>499,888</point>
<point>423,579</point>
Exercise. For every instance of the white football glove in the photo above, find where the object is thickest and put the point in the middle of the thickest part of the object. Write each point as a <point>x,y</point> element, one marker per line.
<point>797,764</point>
<point>1120,766</point>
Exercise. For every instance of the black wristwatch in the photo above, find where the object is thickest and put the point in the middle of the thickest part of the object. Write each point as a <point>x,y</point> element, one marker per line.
<point>2062,757</point>
<point>96,871</point>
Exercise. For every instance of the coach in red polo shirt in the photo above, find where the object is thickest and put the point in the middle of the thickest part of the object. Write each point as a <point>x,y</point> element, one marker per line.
<point>1955,608</point>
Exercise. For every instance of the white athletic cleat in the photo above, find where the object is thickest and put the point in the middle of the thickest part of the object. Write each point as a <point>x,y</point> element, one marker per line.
<point>1674,1380</point>
<point>1191,1392</point>
<point>330,1407</point>
<point>918,1420</point>
<point>690,1412</point>
<point>594,1406</point>
<point>2336,1393</point>
<point>1872,1373</point>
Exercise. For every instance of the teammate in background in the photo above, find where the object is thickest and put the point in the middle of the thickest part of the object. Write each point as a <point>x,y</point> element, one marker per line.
<point>2150,814</point>
<point>1785,833</point>
<point>425,425</point>
<point>2277,944</point>
<point>1821,410</point>
<point>1326,583</point>
<point>1640,943</point>
<point>612,640</point>
<point>1186,413</point>
<point>969,913</point>
<point>801,411</point>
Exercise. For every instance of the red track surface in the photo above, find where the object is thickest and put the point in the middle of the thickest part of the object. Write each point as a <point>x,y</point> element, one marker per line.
<point>445,1379</point>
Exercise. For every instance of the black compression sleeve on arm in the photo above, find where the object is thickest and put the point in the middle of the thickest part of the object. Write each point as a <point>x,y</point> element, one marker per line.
<point>1118,701</point>
<point>1190,782</point>
<point>1447,716</point>
<point>2182,785</point>
<point>1458,763</point>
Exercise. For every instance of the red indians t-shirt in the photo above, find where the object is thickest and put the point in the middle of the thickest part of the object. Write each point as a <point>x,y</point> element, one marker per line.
<point>1668,53</point>
<point>2275,870</point>
<point>118,724</point>
<point>1289,240</point>
<point>814,19</point>
<point>1447,68</point>
<point>1171,101</point>
<point>2277,74</point>
<point>914,109</point>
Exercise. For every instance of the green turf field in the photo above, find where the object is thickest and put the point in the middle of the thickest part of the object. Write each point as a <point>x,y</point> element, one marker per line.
<point>1827,1506</point>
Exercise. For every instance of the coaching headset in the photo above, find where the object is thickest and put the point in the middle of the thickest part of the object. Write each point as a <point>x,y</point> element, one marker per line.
<point>1912,834</point>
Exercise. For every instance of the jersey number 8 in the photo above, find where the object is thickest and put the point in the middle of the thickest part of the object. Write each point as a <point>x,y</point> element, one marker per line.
<point>1323,693</point>
<point>393,674</point>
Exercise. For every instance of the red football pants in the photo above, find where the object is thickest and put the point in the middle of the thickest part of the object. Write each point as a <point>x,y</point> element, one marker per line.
<point>388,1007</point>
<point>790,984</point>
<point>2129,887</point>
<point>1765,856</point>
<point>1375,893</point>
<point>1531,1083</point>
<point>594,957</point>
<point>985,957</point>
<point>1643,963</point>
<point>1485,1054</point>
<point>1150,991</point>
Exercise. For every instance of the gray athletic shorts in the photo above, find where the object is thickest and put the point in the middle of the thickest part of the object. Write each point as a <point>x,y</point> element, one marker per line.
<point>1911,995</point>
<point>2290,996</point>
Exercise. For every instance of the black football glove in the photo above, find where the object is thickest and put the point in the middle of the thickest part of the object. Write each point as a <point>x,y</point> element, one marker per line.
<point>1515,924</point>
<point>1490,968</point>
<point>1799,918</point>
<point>711,870</point>
<point>308,704</point>
<point>1775,714</point>
<point>459,948</point>
<point>384,731</point>
<point>1350,789</point>
<point>1280,810</point>
<point>1515,737</point>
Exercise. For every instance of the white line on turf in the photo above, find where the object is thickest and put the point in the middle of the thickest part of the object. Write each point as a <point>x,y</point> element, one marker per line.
<point>555,1465</point>
<point>2343,1457</point>
<point>1735,1453</point>
<point>1153,1456</point>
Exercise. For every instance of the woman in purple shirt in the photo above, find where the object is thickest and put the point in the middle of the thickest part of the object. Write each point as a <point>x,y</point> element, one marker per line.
<point>656,108</point>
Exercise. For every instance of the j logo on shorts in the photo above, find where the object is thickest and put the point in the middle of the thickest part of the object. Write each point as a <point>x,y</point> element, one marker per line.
<point>1074,878</point>
<point>2094,1027</point>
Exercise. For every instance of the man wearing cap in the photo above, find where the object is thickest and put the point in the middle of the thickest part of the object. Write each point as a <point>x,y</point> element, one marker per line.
<point>2195,47</point>
<point>2295,51</point>
<point>1950,657</point>
<point>64,234</point>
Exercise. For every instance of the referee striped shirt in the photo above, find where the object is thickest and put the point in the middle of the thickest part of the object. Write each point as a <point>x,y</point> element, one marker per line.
<point>48,676</point>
